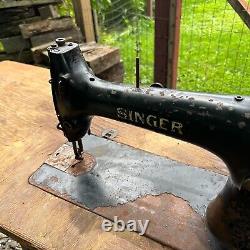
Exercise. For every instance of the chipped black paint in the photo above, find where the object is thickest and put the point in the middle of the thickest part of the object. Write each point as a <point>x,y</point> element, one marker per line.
<point>218,123</point>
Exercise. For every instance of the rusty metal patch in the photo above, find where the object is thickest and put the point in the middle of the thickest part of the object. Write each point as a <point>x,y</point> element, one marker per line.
<point>64,159</point>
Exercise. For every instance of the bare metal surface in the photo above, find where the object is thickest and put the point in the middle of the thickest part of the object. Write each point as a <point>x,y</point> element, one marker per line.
<point>123,174</point>
<point>134,184</point>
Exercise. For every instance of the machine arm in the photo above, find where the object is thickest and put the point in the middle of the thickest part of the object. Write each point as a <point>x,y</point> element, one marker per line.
<point>219,123</point>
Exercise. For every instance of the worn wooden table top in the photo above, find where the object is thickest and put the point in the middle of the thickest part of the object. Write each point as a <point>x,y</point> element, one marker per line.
<point>28,135</point>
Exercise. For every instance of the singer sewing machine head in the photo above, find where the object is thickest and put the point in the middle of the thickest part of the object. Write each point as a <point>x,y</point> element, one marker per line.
<point>218,123</point>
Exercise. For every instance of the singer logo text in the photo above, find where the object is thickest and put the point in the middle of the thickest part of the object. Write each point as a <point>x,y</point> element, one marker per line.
<point>150,120</point>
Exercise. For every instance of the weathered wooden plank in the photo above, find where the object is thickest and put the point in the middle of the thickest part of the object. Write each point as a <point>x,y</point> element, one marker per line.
<point>74,33</point>
<point>14,14</point>
<point>31,29</point>
<point>100,57</point>
<point>12,29</point>
<point>88,20</point>
<point>242,8</point>
<point>48,11</point>
<point>113,74</point>
<point>13,3</point>
<point>28,135</point>
<point>15,44</point>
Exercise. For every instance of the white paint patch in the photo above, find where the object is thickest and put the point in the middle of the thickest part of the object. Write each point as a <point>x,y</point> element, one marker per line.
<point>120,225</point>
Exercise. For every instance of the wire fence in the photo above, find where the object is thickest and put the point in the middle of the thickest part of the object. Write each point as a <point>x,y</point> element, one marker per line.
<point>214,52</point>
<point>125,27</point>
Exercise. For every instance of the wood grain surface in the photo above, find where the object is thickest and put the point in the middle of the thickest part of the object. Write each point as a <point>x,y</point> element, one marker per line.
<point>28,136</point>
<point>48,25</point>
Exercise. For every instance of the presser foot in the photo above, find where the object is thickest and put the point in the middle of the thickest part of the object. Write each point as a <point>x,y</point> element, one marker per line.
<point>228,217</point>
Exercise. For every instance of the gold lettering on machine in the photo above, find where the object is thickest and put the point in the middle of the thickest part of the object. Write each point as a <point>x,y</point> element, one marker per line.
<point>150,120</point>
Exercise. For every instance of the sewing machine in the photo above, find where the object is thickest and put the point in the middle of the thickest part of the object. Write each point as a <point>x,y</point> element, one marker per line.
<point>218,123</point>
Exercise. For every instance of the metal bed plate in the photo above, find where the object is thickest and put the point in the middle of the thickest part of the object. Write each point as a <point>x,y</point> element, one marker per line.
<point>118,176</point>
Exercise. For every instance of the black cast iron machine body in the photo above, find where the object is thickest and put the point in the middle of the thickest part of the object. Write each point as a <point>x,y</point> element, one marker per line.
<point>218,123</point>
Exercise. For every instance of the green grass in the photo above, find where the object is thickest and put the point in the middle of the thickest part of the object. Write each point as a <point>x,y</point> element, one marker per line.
<point>214,53</point>
<point>214,49</point>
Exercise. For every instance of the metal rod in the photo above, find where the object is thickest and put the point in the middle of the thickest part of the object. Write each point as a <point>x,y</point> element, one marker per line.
<point>137,72</point>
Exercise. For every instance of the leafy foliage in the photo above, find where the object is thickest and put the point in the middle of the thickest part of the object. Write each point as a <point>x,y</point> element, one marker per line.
<point>101,7</point>
<point>66,8</point>
<point>117,13</point>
